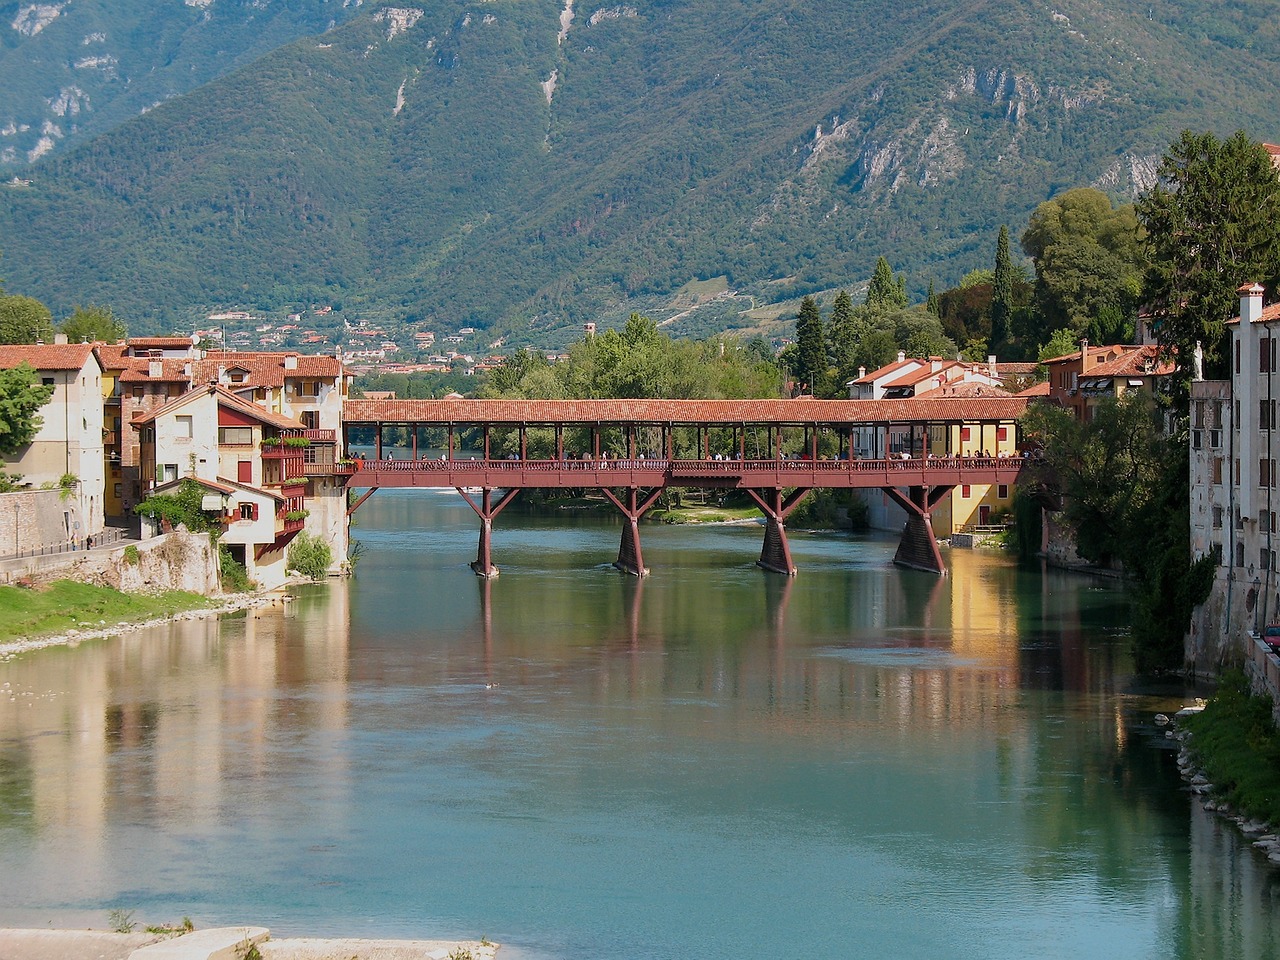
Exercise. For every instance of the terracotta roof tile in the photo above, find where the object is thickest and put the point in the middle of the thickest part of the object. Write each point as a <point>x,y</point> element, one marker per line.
<point>45,356</point>
<point>138,370</point>
<point>798,411</point>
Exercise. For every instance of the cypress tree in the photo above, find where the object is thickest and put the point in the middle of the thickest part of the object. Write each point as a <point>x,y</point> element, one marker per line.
<point>884,292</point>
<point>1002,292</point>
<point>932,302</point>
<point>841,333</point>
<point>811,346</point>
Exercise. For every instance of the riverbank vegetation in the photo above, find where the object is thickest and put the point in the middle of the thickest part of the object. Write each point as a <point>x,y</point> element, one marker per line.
<point>1236,745</point>
<point>32,612</point>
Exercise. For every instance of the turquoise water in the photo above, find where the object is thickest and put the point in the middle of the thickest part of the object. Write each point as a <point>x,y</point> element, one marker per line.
<point>713,762</point>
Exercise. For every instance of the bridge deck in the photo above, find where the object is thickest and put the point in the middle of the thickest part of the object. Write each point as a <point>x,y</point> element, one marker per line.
<point>718,474</point>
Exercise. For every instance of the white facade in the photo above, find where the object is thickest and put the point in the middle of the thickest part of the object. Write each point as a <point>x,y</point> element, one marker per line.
<point>1235,488</point>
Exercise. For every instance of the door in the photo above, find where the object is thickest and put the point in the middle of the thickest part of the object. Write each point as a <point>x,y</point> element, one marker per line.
<point>984,515</point>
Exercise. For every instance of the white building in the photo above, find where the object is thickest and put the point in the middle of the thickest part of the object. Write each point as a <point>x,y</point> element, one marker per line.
<point>1235,487</point>
<point>69,442</point>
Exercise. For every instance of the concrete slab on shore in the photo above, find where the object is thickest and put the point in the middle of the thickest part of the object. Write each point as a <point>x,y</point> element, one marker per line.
<point>216,943</point>
<point>357,949</point>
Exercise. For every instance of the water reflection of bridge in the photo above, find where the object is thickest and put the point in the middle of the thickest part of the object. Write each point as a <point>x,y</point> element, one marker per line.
<point>776,451</point>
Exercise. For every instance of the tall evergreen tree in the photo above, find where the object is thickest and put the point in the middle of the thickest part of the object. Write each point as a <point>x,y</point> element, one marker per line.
<point>811,346</point>
<point>1002,293</point>
<point>843,332</point>
<point>932,302</point>
<point>1213,224</point>
<point>884,292</point>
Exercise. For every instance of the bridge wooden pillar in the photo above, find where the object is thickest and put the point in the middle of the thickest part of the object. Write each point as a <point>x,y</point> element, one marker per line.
<point>630,557</point>
<point>775,555</point>
<point>918,548</point>
<point>486,510</point>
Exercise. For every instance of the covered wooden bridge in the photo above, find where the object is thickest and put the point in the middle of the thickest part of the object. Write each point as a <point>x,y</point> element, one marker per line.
<point>915,450</point>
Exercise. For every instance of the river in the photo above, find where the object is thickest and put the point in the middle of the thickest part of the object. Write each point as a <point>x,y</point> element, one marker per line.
<point>715,761</point>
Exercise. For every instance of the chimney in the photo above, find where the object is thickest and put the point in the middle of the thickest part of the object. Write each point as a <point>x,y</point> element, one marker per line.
<point>155,368</point>
<point>291,361</point>
<point>935,364</point>
<point>862,372</point>
<point>991,365</point>
<point>1086,361</point>
<point>902,355</point>
<point>1250,303</point>
<point>60,338</point>
<point>186,369</point>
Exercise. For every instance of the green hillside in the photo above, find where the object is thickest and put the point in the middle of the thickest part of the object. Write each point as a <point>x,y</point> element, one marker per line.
<point>408,163</point>
<point>71,71</point>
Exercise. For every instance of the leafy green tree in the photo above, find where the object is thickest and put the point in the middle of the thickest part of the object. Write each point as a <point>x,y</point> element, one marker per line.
<point>1060,344</point>
<point>1088,258</point>
<point>1002,292</point>
<point>24,320</point>
<point>920,334</point>
<point>884,292</point>
<point>21,397</point>
<point>1212,224</point>
<point>183,506</point>
<point>810,360</point>
<point>92,323</point>
<point>310,556</point>
<point>931,301</point>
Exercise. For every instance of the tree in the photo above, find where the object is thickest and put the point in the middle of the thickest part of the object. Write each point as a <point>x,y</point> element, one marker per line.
<point>884,292</point>
<point>1088,258</point>
<point>91,323</point>
<point>21,397</point>
<point>310,556</point>
<point>1002,292</point>
<point>1060,344</point>
<point>810,361</point>
<point>843,332</point>
<point>1212,224</point>
<point>24,320</point>
<point>932,302</point>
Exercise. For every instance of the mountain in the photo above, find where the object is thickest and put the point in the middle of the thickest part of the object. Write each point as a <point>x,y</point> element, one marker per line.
<point>73,70</point>
<point>522,165</point>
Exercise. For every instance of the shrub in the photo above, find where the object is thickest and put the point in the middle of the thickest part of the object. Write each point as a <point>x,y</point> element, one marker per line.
<point>235,578</point>
<point>310,556</point>
<point>131,555</point>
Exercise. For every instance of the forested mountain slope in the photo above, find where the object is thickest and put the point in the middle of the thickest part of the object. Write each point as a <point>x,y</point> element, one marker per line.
<point>72,70</point>
<point>516,162</point>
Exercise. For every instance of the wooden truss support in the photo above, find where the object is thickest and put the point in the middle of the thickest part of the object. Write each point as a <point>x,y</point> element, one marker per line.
<point>775,555</point>
<point>630,557</point>
<point>363,497</point>
<point>918,548</point>
<point>486,510</point>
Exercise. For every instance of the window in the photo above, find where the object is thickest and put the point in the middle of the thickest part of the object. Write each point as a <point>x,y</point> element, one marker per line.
<point>47,381</point>
<point>168,471</point>
<point>1239,554</point>
<point>1002,491</point>
<point>1217,469</point>
<point>1264,354</point>
<point>1215,415</point>
<point>965,433</point>
<point>1002,433</point>
<point>248,511</point>
<point>964,491</point>
<point>1235,410</point>
<point>1237,369</point>
<point>1215,438</point>
<point>1217,518</point>
<point>119,490</point>
<point>310,454</point>
<point>235,436</point>
<point>1197,411</point>
<point>1195,439</point>
<point>307,388</point>
<point>311,419</point>
<point>137,393</point>
<point>1264,473</point>
<point>183,427</point>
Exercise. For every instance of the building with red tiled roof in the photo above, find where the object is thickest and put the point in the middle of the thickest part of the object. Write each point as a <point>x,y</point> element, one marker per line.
<point>1079,380</point>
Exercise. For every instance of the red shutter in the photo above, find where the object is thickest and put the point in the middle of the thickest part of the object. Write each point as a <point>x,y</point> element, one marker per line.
<point>244,471</point>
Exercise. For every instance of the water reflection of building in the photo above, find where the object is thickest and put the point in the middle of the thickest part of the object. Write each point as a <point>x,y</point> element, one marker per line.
<point>177,723</point>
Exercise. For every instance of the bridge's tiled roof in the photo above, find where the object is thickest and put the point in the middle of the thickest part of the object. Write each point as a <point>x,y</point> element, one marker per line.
<point>799,411</point>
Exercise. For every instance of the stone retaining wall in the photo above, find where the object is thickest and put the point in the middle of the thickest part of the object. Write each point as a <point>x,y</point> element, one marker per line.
<point>174,561</point>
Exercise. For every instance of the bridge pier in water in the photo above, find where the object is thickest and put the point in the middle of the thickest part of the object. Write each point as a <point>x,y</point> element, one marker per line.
<point>918,549</point>
<point>630,557</point>
<point>486,510</point>
<point>775,554</point>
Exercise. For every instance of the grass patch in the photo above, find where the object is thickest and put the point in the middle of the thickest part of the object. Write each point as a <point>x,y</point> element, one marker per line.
<point>70,605</point>
<point>1236,744</point>
<point>703,514</point>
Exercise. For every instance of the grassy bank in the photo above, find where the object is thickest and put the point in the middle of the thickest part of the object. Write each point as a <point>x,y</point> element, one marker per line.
<point>68,605</point>
<point>1236,744</point>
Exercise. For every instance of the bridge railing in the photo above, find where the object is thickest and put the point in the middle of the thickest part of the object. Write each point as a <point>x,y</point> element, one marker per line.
<point>685,467</point>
